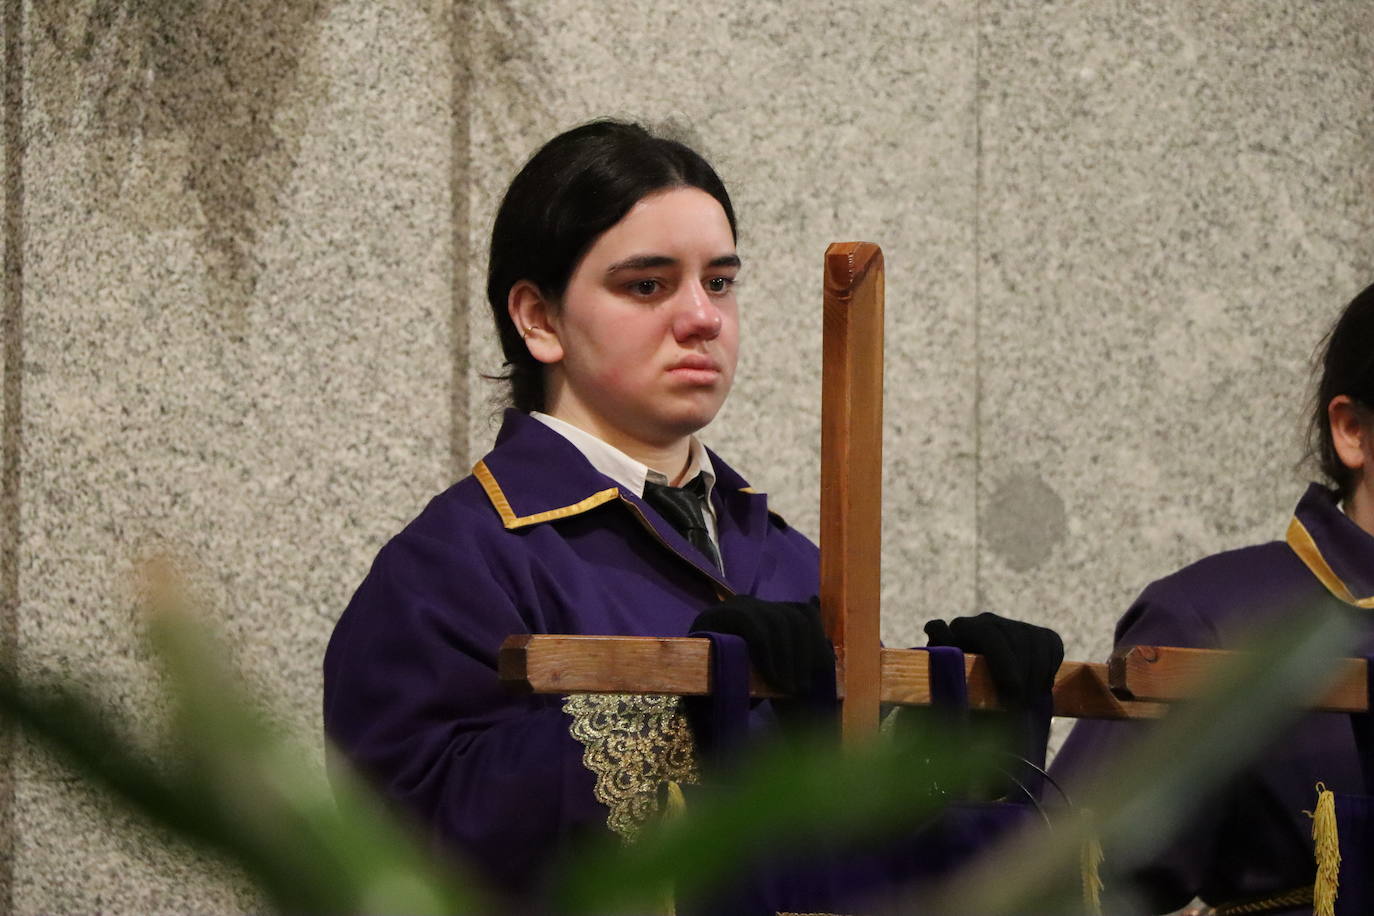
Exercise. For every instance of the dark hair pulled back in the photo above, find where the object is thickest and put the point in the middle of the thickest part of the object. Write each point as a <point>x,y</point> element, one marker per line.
<point>577,186</point>
<point>1347,368</point>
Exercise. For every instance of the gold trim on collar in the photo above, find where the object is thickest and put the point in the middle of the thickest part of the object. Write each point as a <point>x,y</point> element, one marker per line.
<point>511,520</point>
<point>1300,539</point>
<point>777,515</point>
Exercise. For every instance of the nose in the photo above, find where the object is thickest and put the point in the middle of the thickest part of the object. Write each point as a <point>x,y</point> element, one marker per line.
<point>697,316</point>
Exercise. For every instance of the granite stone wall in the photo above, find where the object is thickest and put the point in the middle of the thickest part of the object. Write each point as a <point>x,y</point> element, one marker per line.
<point>237,346</point>
<point>1175,204</point>
<point>244,320</point>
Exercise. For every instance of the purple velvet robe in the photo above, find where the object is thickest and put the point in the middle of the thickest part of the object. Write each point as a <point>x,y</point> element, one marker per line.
<point>1253,839</point>
<point>535,541</point>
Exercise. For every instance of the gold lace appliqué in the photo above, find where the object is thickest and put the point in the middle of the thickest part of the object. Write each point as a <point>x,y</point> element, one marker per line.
<point>634,744</point>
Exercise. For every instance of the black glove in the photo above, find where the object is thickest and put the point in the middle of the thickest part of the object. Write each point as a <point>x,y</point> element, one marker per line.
<point>786,640</point>
<point>1022,657</point>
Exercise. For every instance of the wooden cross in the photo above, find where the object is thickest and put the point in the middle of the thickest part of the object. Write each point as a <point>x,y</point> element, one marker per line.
<point>1135,684</point>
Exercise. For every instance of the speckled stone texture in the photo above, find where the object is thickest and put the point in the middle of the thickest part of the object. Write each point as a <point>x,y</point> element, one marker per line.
<point>237,317</point>
<point>96,858</point>
<point>253,319</point>
<point>11,390</point>
<point>11,344</point>
<point>1174,206</point>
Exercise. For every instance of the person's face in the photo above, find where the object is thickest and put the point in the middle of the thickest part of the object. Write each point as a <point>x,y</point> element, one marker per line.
<point>647,334</point>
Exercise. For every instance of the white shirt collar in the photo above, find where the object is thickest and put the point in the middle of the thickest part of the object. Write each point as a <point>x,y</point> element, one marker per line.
<point>620,467</point>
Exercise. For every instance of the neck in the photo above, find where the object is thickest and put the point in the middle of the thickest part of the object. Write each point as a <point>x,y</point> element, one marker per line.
<point>1360,505</point>
<point>670,461</point>
<point>670,457</point>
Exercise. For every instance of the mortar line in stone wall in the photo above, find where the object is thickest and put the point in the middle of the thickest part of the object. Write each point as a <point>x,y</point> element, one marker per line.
<point>11,430</point>
<point>977,305</point>
<point>460,205</point>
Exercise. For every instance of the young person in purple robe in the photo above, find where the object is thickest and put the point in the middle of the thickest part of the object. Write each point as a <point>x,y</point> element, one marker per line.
<point>1253,843</point>
<point>612,286</point>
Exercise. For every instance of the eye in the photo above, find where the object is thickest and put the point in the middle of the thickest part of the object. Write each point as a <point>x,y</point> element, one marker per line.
<point>645,288</point>
<point>720,285</point>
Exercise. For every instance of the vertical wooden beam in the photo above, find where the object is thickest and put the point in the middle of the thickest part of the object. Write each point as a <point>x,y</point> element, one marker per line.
<point>852,474</point>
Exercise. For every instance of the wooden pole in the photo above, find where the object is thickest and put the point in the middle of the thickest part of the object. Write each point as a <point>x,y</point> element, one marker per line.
<point>852,476</point>
<point>678,666</point>
<point>1137,683</point>
<point>1170,674</point>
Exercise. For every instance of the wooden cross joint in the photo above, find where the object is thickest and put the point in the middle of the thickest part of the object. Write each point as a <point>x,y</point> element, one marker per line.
<point>1134,685</point>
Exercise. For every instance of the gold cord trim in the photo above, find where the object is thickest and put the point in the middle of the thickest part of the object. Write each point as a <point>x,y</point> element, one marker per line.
<point>1300,896</point>
<point>1303,544</point>
<point>634,744</point>
<point>511,520</point>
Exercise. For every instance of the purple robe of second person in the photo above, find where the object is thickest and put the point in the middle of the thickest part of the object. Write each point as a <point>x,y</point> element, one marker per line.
<point>535,541</point>
<point>1254,839</point>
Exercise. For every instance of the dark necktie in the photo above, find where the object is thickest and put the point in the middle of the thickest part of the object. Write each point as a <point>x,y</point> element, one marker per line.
<point>681,508</point>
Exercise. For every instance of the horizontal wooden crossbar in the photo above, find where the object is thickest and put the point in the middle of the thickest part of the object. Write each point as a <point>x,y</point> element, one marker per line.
<point>678,665</point>
<point>1169,674</point>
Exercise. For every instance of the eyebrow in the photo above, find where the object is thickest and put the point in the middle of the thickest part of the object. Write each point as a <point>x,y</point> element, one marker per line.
<point>646,261</point>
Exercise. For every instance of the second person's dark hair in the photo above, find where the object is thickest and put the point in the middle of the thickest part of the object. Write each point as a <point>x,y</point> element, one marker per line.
<point>1347,367</point>
<point>577,186</point>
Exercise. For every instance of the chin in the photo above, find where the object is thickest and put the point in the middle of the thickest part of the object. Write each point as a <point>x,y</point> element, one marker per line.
<point>687,416</point>
<point>688,423</point>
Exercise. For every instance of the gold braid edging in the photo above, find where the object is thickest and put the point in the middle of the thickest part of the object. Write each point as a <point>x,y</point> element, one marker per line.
<point>1299,896</point>
<point>634,744</point>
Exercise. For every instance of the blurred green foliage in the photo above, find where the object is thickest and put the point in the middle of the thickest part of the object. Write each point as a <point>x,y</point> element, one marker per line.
<point>234,785</point>
<point>237,787</point>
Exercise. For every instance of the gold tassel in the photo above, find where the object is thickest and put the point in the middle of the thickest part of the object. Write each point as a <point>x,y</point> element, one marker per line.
<point>676,803</point>
<point>1328,850</point>
<point>674,806</point>
<point>1090,868</point>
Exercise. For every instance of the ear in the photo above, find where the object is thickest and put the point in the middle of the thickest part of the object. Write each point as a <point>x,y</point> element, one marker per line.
<point>533,317</point>
<point>1349,433</point>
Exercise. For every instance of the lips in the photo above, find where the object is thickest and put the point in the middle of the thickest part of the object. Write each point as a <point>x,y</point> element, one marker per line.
<point>696,370</point>
<point>696,361</point>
